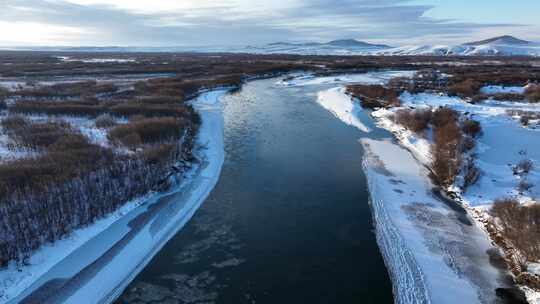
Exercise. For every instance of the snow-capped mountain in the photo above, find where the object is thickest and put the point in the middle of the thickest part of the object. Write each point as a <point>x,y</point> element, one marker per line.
<point>335,47</point>
<point>497,46</point>
<point>502,46</point>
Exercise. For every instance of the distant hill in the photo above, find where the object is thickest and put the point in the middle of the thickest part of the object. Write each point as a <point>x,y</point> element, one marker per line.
<point>355,43</point>
<point>337,43</point>
<point>502,40</point>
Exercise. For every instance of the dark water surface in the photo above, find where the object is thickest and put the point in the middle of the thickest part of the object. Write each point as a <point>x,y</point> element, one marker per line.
<point>289,220</point>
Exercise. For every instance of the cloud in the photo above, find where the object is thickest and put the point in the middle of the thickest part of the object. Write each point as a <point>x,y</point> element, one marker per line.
<point>210,22</point>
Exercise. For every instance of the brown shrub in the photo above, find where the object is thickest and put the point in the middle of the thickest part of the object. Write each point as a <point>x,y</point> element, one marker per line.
<point>507,97</point>
<point>34,135</point>
<point>158,154</point>
<point>82,88</point>
<point>446,148</point>
<point>68,156</point>
<point>520,225</point>
<point>374,96</point>
<point>471,127</point>
<point>159,100</point>
<point>478,98</point>
<point>532,93</point>
<point>443,116</point>
<point>523,167</point>
<point>466,88</point>
<point>148,110</point>
<point>524,120</point>
<point>414,120</point>
<point>76,107</point>
<point>470,173</point>
<point>468,144</point>
<point>149,130</point>
<point>13,122</point>
<point>105,121</point>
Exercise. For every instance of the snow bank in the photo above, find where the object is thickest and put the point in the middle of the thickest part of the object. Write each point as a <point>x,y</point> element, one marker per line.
<point>495,89</point>
<point>365,78</point>
<point>342,106</point>
<point>432,254</point>
<point>94,264</point>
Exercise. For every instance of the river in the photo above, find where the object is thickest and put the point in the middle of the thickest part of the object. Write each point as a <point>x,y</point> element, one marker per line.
<point>289,220</point>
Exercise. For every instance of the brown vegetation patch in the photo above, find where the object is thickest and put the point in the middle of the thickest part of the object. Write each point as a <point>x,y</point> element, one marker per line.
<point>415,120</point>
<point>374,96</point>
<point>520,225</point>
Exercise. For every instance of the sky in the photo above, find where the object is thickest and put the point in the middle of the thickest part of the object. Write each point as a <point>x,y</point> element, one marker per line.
<point>248,22</point>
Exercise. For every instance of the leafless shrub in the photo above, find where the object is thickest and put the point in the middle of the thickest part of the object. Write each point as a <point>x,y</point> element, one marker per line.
<point>414,120</point>
<point>520,225</point>
<point>523,186</point>
<point>478,98</point>
<point>532,93</point>
<point>507,97</point>
<point>524,120</point>
<point>468,144</point>
<point>471,127</point>
<point>466,88</point>
<point>374,96</point>
<point>470,173</point>
<point>523,167</point>
<point>446,148</point>
<point>105,121</point>
<point>149,130</point>
<point>443,116</point>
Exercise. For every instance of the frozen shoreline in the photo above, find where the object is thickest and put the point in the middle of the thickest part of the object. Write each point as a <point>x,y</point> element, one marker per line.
<point>96,263</point>
<point>434,253</point>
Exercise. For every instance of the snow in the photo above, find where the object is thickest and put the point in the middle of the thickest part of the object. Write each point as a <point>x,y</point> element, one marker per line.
<point>342,106</point>
<point>97,60</point>
<point>431,255</point>
<point>96,263</point>
<point>503,143</point>
<point>366,78</point>
<point>496,89</point>
<point>417,145</point>
<point>492,49</point>
<point>15,278</point>
<point>463,50</point>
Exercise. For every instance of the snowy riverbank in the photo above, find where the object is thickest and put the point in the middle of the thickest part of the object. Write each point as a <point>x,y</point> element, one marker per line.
<point>434,251</point>
<point>94,264</point>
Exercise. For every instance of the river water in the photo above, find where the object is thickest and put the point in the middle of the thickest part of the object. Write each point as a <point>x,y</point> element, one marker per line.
<point>289,220</point>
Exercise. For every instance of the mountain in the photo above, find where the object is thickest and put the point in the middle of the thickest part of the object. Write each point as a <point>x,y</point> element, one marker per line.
<point>355,43</point>
<point>496,46</point>
<point>500,40</point>
<point>334,47</point>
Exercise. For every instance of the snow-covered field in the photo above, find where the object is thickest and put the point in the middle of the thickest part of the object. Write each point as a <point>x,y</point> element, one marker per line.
<point>94,264</point>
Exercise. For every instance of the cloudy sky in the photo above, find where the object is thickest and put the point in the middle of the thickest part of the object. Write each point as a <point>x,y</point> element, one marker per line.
<point>240,22</point>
